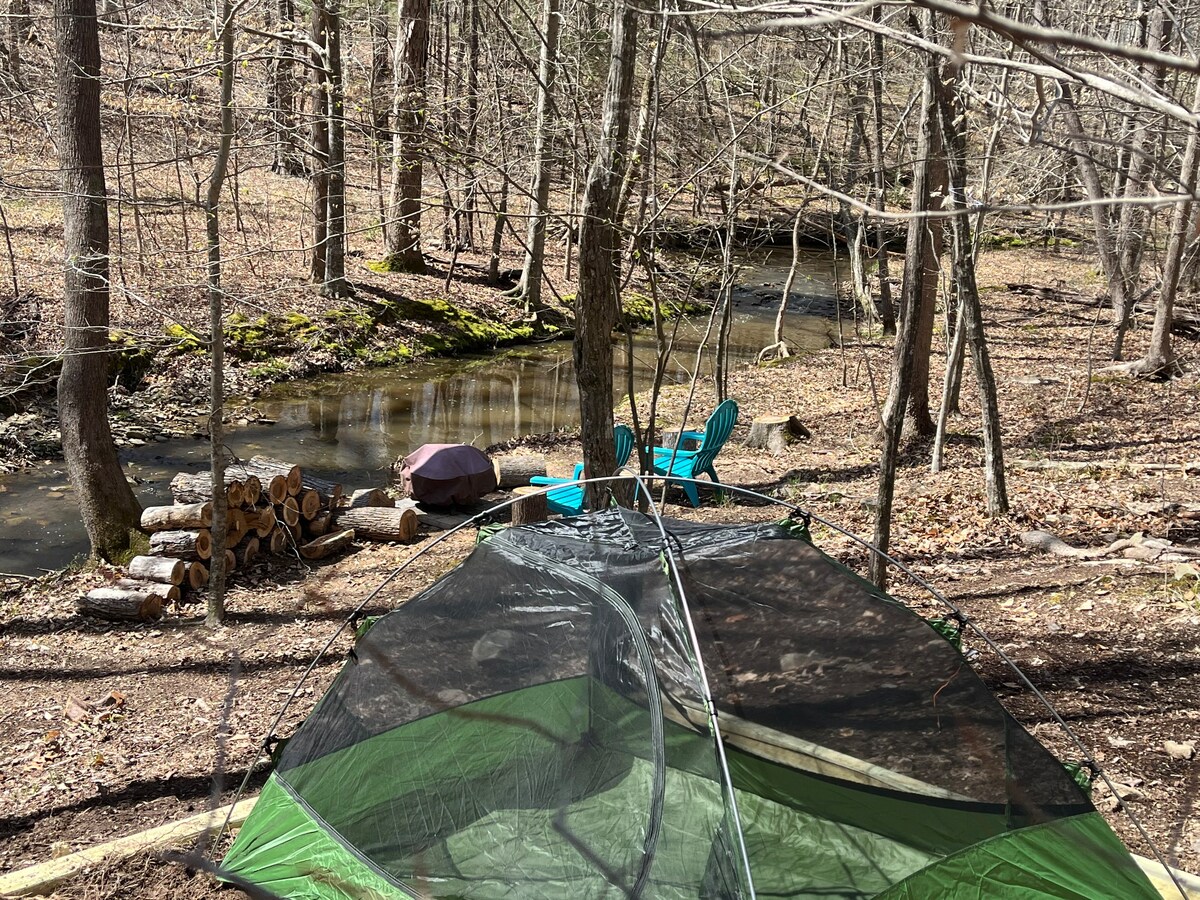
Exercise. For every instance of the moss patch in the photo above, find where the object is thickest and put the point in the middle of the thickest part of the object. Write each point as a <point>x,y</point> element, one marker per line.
<point>131,361</point>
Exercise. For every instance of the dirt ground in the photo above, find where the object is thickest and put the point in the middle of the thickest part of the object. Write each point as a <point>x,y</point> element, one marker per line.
<point>111,729</point>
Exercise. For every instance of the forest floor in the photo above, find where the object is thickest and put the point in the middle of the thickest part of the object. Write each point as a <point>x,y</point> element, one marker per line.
<point>110,729</point>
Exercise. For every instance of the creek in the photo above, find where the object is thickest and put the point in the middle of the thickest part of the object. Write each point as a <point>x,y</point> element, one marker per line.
<point>350,427</point>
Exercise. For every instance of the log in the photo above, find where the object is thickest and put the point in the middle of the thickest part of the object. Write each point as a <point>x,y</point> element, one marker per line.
<point>118,603</point>
<point>182,544</point>
<point>310,503</point>
<point>169,592</point>
<point>247,550</point>
<point>153,568</point>
<point>251,490</point>
<point>197,575</point>
<point>330,492</point>
<point>181,515</point>
<point>774,433</point>
<point>270,481</point>
<point>262,520</point>
<point>291,474</point>
<point>328,544</point>
<point>277,541</point>
<point>230,562</point>
<point>236,529</point>
<point>379,523</point>
<point>369,497</point>
<point>320,523</point>
<point>289,512</point>
<point>296,532</point>
<point>517,471</point>
<point>531,507</point>
<point>189,487</point>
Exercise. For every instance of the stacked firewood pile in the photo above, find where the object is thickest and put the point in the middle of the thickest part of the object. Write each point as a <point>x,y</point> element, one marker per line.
<point>273,508</point>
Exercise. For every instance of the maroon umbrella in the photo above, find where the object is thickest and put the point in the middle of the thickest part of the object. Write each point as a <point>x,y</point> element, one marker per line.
<point>442,474</point>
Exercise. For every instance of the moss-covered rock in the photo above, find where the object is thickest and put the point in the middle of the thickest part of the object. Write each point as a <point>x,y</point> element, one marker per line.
<point>131,360</point>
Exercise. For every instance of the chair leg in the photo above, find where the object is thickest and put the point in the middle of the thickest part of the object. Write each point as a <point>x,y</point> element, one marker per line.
<point>712,473</point>
<point>689,488</point>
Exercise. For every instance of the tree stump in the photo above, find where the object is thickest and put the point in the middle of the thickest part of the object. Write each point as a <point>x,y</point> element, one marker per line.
<point>154,568</point>
<point>517,471</point>
<point>774,433</point>
<point>182,515</point>
<point>669,438</point>
<point>327,545</point>
<point>531,507</point>
<point>118,603</point>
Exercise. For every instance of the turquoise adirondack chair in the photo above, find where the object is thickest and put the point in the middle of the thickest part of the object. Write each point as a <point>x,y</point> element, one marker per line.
<point>569,500</point>
<point>692,463</point>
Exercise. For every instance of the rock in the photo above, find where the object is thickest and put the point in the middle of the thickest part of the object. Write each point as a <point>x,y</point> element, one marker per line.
<point>1127,792</point>
<point>1184,750</point>
<point>493,646</point>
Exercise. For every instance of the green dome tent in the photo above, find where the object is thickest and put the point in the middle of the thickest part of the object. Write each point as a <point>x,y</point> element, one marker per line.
<point>536,725</point>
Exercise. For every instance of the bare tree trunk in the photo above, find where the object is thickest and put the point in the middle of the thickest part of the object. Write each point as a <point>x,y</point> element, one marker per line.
<point>596,303</point>
<point>887,311</point>
<point>408,119</point>
<point>905,355</point>
<point>320,148</point>
<point>20,30</point>
<point>954,144</point>
<point>223,29</point>
<point>334,284</point>
<point>1160,356</point>
<point>379,88</point>
<point>107,505</point>
<point>530,286</point>
<point>281,98</point>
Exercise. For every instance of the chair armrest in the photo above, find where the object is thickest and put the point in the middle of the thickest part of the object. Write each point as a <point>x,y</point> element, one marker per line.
<point>671,451</point>
<point>545,481</point>
<point>578,473</point>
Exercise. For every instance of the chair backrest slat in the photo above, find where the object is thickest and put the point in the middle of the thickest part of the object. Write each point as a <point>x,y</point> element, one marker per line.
<point>716,432</point>
<point>623,438</point>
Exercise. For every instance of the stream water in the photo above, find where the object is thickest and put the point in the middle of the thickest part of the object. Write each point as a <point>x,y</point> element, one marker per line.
<point>350,427</point>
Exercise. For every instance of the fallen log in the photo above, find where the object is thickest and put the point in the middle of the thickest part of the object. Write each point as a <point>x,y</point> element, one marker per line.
<point>181,515</point>
<point>169,592</point>
<point>531,507</point>
<point>774,433</point>
<point>368,497</point>
<point>153,568</point>
<point>327,545</point>
<point>182,544</point>
<point>1069,465</point>
<point>320,523</point>
<point>118,603</point>
<point>1137,547</point>
<point>517,471</point>
<point>379,523</point>
<point>197,575</point>
<point>291,474</point>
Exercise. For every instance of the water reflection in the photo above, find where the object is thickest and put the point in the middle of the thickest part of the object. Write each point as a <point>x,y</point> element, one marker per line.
<point>350,427</point>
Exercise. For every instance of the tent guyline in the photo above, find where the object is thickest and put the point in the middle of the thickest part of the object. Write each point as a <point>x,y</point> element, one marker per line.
<point>752,717</point>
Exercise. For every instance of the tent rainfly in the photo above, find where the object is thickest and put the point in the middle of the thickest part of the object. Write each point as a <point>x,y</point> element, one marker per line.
<point>534,725</point>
